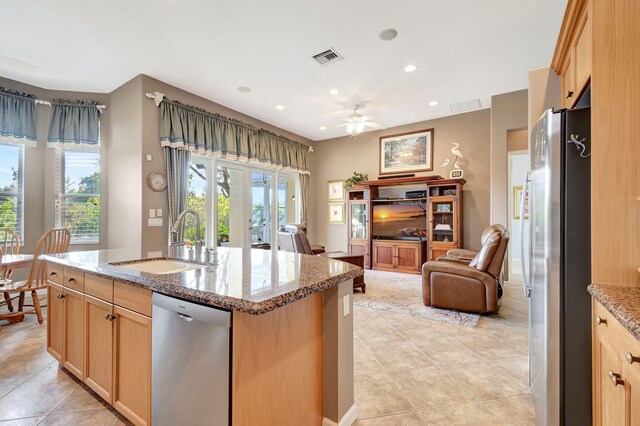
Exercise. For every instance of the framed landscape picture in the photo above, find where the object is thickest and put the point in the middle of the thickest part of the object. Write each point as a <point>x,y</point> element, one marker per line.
<point>336,190</point>
<point>336,213</point>
<point>406,152</point>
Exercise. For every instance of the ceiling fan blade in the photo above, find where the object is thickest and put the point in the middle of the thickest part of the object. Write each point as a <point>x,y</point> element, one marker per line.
<point>370,124</point>
<point>344,124</point>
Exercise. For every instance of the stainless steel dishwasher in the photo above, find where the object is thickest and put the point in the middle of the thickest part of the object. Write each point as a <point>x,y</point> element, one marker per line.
<point>190,363</point>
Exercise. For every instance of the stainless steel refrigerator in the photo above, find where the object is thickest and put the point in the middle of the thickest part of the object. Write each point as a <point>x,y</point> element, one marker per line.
<point>556,202</point>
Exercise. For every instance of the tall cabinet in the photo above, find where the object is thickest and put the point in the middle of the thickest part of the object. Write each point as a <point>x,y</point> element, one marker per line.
<point>359,223</point>
<point>445,217</point>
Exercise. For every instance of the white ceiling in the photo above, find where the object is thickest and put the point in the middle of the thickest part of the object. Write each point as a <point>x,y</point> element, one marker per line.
<point>464,49</point>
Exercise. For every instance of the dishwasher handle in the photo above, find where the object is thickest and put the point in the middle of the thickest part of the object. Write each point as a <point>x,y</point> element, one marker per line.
<point>189,311</point>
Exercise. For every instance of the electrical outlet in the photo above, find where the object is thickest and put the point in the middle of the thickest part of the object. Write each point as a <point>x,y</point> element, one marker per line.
<point>155,221</point>
<point>152,212</point>
<point>159,212</point>
<point>345,305</point>
<point>149,157</point>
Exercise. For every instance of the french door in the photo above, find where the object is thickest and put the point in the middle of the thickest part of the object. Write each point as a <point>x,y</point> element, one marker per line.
<point>245,205</point>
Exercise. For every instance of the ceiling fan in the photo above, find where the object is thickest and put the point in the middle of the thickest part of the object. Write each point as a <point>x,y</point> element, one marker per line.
<point>356,122</point>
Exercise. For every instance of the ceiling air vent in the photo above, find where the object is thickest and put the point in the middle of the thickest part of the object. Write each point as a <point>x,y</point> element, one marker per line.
<point>465,106</point>
<point>328,57</point>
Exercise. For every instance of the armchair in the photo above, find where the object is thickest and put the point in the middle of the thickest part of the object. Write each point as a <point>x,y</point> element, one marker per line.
<point>459,281</point>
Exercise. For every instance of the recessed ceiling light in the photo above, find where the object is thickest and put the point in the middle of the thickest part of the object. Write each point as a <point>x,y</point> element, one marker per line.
<point>244,89</point>
<point>433,103</point>
<point>323,127</point>
<point>410,68</point>
<point>279,107</point>
<point>388,34</point>
<point>334,91</point>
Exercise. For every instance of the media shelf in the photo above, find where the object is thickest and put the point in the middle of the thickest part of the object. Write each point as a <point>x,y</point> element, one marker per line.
<point>399,253</point>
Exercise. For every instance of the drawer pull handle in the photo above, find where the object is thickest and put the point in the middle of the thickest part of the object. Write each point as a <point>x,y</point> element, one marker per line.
<point>61,296</point>
<point>615,378</point>
<point>71,279</point>
<point>632,358</point>
<point>52,274</point>
<point>109,317</point>
<point>600,320</point>
<point>569,94</point>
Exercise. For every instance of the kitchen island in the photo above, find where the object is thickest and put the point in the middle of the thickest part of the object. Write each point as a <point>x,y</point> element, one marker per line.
<point>290,329</point>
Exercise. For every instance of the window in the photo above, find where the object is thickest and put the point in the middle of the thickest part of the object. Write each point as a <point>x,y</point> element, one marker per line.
<point>12,188</point>
<point>78,195</point>
<point>197,201</point>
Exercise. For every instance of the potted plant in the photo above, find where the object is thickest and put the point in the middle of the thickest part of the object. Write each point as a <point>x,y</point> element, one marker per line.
<point>354,179</point>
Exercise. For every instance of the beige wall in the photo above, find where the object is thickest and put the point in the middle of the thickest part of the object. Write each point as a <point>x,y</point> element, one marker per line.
<point>508,112</point>
<point>338,158</point>
<point>39,190</point>
<point>544,93</point>
<point>517,140</point>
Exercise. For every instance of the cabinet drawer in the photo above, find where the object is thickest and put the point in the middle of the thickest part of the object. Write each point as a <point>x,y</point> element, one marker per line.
<point>54,273</point>
<point>99,287</point>
<point>614,333</point>
<point>137,299</point>
<point>74,279</point>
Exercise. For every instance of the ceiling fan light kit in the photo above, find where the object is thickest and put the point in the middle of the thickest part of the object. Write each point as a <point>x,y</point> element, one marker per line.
<point>356,122</point>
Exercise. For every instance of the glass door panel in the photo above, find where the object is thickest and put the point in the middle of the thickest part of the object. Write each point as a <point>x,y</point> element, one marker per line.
<point>230,190</point>
<point>286,200</point>
<point>260,222</point>
<point>358,223</point>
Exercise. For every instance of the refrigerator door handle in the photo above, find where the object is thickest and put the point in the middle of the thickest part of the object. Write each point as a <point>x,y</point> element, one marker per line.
<point>525,196</point>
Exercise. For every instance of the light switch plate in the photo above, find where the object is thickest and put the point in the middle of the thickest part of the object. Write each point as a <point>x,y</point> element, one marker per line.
<point>159,212</point>
<point>152,212</point>
<point>345,305</point>
<point>154,221</point>
<point>149,157</point>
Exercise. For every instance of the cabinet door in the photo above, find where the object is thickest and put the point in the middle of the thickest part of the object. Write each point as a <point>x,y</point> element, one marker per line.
<point>609,399</point>
<point>73,354</point>
<point>55,320</point>
<point>408,257</point>
<point>132,365</point>
<point>631,377</point>
<point>358,247</point>
<point>582,51</point>
<point>358,220</point>
<point>98,373</point>
<point>384,255</point>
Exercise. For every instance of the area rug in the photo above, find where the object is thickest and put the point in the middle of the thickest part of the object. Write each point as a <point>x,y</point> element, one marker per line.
<point>402,294</point>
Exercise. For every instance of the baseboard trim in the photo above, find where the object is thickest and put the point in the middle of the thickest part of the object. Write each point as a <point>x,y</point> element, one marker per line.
<point>347,420</point>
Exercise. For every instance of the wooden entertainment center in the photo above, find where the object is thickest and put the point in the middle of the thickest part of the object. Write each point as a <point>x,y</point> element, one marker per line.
<point>408,248</point>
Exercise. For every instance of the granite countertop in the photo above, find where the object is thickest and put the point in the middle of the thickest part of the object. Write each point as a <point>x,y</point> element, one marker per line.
<point>247,280</point>
<point>622,302</point>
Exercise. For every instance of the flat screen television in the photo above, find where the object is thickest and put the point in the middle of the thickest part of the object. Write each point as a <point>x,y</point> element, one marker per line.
<point>397,221</point>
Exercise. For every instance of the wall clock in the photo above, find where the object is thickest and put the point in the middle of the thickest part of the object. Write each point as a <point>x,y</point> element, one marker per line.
<point>157,181</point>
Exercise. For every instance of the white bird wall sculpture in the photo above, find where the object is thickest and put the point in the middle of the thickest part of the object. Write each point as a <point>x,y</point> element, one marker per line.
<point>455,151</point>
<point>444,164</point>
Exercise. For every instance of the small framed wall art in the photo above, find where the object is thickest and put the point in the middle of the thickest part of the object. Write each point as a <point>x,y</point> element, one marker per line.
<point>406,152</point>
<point>336,213</point>
<point>336,190</point>
<point>517,200</point>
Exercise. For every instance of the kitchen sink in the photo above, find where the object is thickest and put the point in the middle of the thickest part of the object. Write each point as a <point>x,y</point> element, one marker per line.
<point>161,266</point>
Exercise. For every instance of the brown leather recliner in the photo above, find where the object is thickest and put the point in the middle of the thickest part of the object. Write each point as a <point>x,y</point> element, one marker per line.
<point>459,281</point>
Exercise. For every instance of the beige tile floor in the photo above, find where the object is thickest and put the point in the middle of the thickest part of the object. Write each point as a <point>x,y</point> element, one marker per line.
<point>409,371</point>
<point>413,371</point>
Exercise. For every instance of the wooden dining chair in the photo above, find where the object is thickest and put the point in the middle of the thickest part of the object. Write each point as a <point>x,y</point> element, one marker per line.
<point>53,241</point>
<point>9,244</point>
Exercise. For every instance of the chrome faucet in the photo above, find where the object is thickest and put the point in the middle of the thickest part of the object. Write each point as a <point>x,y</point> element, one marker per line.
<point>180,224</point>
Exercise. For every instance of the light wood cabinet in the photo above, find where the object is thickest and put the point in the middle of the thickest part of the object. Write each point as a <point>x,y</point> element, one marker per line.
<point>101,342</point>
<point>55,320</point>
<point>616,371</point>
<point>73,353</point>
<point>99,346</point>
<point>361,247</point>
<point>132,365</point>
<point>398,256</point>
<point>573,55</point>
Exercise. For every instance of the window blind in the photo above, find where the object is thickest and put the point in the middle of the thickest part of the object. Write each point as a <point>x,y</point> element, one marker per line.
<point>12,188</point>
<point>78,194</point>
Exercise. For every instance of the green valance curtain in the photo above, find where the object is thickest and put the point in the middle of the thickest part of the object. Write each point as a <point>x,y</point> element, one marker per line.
<point>204,133</point>
<point>74,125</point>
<point>17,118</point>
